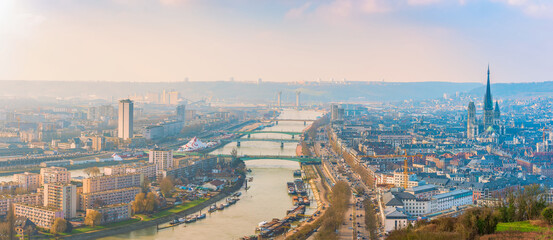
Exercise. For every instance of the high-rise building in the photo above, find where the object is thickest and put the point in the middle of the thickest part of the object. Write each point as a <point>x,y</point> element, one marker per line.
<point>92,113</point>
<point>279,101</point>
<point>488,105</point>
<point>336,113</point>
<point>471,121</point>
<point>125,127</point>
<point>298,99</point>
<point>98,143</point>
<point>52,175</point>
<point>27,180</point>
<point>163,159</point>
<point>181,113</point>
<point>63,197</point>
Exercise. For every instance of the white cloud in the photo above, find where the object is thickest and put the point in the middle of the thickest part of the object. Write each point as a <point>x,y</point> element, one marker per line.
<point>298,12</point>
<point>422,2</point>
<point>534,8</point>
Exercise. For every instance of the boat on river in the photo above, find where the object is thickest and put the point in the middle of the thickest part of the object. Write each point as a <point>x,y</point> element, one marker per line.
<point>291,188</point>
<point>213,208</point>
<point>300,189</point>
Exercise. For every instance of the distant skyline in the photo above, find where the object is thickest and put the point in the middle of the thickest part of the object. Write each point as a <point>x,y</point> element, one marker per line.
<point>277,41</point>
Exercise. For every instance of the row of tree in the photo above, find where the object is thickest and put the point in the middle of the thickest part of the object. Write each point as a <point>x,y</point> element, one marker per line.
<point>335,214</point>
<point>331,218</point>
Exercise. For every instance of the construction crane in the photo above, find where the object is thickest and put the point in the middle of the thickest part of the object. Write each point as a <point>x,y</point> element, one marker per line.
<point>405,164</point>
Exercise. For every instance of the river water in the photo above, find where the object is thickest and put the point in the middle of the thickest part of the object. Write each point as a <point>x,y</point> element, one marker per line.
<point>266,199</point>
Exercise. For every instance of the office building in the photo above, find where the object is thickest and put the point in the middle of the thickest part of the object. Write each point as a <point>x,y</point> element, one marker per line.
<point>125,125</point>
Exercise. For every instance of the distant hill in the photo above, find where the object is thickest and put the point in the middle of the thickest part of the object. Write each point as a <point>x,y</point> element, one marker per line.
<point>504,90</point>
<point>240,91</point>
<point>249,92</point>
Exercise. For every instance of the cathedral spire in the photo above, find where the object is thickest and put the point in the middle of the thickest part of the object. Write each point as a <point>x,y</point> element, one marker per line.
<point>488,102</point>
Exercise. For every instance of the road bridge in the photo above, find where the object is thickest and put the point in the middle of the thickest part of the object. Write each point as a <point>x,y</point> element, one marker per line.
<point>279,132</point>
<point>300,159</point>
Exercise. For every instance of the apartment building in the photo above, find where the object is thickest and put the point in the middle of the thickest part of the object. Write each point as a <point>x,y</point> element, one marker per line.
<point>110,197</point>
<point>113,213</point>
<point>27,180</point>
<point>63,197</point>
<point>148,170</point>
<point>111,182</point>
<point>448,200</point>
<point>54,175</point>
<point>163,159</point>
<point>30,199</point>
<point>39,215</point>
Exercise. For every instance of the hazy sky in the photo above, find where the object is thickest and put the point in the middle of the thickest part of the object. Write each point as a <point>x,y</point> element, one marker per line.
<point>286,40</point>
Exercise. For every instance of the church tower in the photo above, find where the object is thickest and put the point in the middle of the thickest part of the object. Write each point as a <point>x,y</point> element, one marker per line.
<point>496,112</point>
<point>471,121</point>
<point>488,105</point>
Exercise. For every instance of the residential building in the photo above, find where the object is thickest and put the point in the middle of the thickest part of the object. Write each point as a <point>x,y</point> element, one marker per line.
<point>163,159</point>
<point>30,199</point>
<point>110,197</point>
<point>113,213</point>
<point>111,182</point>
<point>148,170</point>
<point>63,197</point>
<point>98,143</point>
<point>181,113</point>
<point>451,199</point>
<point>27,180</point>
<point>39,215</point>
<point>54,175</point>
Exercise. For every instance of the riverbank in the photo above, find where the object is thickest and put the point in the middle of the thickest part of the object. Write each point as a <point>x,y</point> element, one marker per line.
<point>145,224</point>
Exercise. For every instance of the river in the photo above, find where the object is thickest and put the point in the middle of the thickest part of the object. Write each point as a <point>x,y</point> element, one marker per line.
<point>266,199</point>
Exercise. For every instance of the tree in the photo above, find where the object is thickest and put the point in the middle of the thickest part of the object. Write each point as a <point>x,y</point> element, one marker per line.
<point>146,185</point>
<point>92,171</point>
<point>166,186</point>
<point>150,202</point>
<point>234,153</point>
<point>59,226</point>
<point>138,203</point>
<point>11,222</point>
<point>98,203</point>
<point>547,214</point>
<point>93,218</point>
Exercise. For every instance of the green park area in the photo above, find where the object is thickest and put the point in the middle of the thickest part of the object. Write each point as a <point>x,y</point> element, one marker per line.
<point>522,226</point>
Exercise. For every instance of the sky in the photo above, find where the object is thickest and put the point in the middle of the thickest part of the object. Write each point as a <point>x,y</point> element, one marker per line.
<point>284,41</point>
